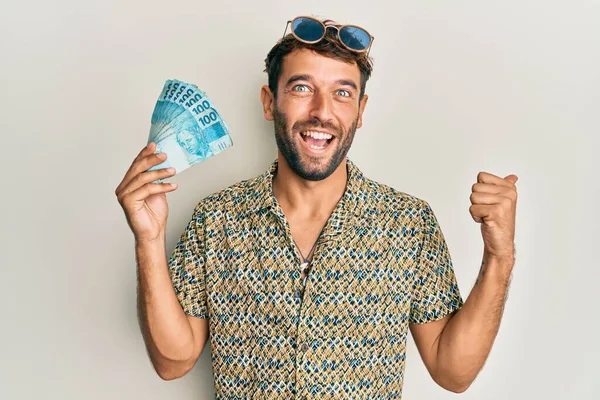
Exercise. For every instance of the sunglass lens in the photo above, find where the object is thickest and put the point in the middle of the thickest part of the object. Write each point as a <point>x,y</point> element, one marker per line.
<point>307,29</point>
<point>355,38</point>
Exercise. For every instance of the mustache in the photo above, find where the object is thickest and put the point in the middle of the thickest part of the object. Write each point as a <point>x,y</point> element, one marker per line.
<point>300,126</point>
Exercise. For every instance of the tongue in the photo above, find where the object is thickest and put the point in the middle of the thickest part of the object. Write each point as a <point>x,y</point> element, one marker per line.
<point>315,142</point>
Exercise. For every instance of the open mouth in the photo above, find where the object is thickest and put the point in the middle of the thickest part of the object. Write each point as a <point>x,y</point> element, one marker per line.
<point>316,140</point>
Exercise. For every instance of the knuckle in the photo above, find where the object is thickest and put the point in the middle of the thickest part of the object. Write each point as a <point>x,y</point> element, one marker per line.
<point>125,200</point>
<point>139,177</point>
<point>145,190</point>
<point>143,164</point>
<point>147,161</point>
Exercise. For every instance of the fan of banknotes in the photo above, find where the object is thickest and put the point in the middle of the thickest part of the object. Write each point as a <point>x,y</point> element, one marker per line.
<point>186,126</point>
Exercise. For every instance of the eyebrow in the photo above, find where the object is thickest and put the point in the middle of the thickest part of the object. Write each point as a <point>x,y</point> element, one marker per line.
<point>308,78</point>
<point>347,82</point>
<point>295,78</point>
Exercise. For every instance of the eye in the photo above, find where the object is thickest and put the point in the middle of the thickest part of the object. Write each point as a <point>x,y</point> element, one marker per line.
<point>343,93</point>
<point>300,86</point>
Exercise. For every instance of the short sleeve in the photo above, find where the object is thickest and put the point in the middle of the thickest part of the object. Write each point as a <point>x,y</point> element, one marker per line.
<point>187,267</point>
<point>435,290</point>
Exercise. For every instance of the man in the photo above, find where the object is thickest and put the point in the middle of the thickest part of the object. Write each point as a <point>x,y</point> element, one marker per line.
<point>308,277</point>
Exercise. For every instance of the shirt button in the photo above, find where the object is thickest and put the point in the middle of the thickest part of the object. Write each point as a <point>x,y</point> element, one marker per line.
<point>304,347</point>
<point>298,294</point>
<point>303,398</point>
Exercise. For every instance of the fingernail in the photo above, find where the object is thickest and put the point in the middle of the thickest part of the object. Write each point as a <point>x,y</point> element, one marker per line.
<point>171,170</point>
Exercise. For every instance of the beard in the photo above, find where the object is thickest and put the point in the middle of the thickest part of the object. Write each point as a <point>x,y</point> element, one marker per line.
<point>308,167</point>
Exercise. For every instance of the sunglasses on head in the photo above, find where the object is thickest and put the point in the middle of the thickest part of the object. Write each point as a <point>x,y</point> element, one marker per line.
<point>311,30</point>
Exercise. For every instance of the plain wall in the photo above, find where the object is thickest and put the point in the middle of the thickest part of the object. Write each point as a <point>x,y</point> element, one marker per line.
<point>457,88</point>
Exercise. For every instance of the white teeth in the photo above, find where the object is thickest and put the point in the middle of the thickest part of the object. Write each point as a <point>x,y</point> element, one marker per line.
<point>312,146</point>
<point>317,135</point>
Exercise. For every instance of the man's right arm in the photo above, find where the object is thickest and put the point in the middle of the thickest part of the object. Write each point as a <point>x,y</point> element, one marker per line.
<point>174,340</point>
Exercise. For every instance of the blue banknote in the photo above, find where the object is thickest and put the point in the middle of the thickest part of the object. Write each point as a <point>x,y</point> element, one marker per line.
<point>186,126</point>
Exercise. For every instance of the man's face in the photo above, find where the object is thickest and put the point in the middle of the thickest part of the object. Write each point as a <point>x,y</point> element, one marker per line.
<point>316,112</point>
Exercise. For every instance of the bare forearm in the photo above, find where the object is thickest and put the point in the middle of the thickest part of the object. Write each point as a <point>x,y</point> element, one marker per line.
<point>467,339</point>
<point>165,328</point>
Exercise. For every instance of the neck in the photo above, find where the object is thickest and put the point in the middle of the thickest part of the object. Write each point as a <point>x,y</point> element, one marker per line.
<point>302,198</point>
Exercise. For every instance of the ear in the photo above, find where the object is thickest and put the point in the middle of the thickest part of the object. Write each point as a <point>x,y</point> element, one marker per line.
<point>268,101</point>
<point>361,108</point>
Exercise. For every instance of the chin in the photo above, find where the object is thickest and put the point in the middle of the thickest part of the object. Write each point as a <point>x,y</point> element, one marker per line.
<point>314,168</point>
<point>312,171</point>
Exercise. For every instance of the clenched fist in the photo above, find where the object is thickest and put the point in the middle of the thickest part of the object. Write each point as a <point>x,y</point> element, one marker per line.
<point>494,205</point>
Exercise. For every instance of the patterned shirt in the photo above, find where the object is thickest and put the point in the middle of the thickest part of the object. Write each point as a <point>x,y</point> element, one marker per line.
<point>380,263</point>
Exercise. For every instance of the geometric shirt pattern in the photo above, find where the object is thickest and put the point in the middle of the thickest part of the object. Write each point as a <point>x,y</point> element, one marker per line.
<point>335,331</point>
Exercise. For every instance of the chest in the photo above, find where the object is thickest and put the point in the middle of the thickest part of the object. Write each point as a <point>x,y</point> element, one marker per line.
<point>261,258</point>
<point>305,235</point>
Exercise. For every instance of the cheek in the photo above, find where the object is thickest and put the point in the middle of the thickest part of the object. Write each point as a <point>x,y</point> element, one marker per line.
<point>348,111</point>
<point>347,117</point>
<point>292,116</point>
<point>295,109</point>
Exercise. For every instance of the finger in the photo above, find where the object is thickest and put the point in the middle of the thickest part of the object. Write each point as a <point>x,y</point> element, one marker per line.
<point>146,151</point>
<point>147,177</point>
<point>489,198</point>
<point>494,189</point>
<point>149,189</point>
<point>480,211</point>
<point>484,177</point>
<point>141,165</point>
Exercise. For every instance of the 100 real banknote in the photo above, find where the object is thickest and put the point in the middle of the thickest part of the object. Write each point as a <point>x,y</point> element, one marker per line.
<point>187,127</point>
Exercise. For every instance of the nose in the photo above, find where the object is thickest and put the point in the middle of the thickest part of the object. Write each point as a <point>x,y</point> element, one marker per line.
<point>321,108</point>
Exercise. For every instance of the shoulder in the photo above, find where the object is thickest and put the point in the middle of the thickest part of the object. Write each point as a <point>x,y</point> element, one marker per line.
<point>232,200</point>
<point>384,199</point>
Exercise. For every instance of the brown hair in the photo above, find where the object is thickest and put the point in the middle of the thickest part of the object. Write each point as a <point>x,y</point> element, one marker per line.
<point>329,46</point>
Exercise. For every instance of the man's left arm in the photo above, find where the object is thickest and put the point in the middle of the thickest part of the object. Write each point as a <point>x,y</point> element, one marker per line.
<point>455,347</point>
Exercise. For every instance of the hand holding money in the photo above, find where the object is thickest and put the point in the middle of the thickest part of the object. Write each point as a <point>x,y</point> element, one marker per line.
<point>144,202</point>
<point>186,129</point>
<point>186,126</point>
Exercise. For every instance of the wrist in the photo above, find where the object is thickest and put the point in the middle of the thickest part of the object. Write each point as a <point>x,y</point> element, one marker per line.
<point>507,257</point>
<point>499,266</point>
<point>142,242</point>
<point>150,253</point>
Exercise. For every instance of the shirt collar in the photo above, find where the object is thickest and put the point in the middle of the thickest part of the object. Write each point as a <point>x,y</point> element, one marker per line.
<point>347,206</point>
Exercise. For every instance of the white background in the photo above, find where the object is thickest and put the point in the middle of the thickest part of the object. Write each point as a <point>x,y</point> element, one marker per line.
<point>458,87</point>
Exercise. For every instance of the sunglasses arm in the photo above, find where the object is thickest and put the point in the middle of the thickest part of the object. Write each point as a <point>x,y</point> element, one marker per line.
<point>370,44</point>
<point>286,25</point>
